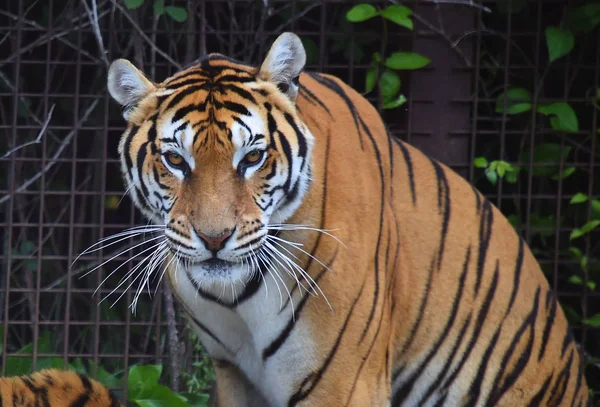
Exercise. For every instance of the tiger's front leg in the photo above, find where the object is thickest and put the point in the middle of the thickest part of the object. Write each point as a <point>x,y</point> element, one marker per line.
<point>233,389</point>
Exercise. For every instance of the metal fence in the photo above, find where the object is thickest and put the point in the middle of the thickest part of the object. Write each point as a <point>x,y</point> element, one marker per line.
<point>61,189</point>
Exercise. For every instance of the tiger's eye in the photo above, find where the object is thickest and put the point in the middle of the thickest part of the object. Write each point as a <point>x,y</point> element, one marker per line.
<point>176,160</point>
<point>253,157</point>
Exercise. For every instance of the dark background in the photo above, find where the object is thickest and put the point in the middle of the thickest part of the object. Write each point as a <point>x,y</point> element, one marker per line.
<point>61,195</point>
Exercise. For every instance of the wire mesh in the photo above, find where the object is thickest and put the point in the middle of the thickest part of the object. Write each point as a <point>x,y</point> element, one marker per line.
<point>61,188</point>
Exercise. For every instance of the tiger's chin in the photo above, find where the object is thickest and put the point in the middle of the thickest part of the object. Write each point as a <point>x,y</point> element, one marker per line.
<point>211,275</point>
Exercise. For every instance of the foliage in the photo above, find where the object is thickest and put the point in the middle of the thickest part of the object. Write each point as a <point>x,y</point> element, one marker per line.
<point>177,13</point>
<point>383,69</point>
<point>548,163</point>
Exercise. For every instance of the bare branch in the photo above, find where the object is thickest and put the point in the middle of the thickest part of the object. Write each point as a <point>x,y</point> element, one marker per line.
<point>145,37</point>
<point>37,140</point>
<point>174,344</point>
<point>58,152</point>
<point>94,21</point>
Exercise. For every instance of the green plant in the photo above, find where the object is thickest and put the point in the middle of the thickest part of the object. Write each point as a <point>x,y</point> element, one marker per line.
<point>545,161</point>
<point>383,70</point>
<point>177,13</point>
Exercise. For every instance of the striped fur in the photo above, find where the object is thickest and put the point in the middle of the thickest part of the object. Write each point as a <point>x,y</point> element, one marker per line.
<point>55,388</point>
<point>435,300</point>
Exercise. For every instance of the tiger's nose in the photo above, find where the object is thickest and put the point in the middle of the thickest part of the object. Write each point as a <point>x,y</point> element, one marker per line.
<point>214,243</point>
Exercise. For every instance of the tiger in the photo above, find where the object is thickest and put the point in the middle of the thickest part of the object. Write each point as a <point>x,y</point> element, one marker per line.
<point>324,262</point>
<point>55,388</point>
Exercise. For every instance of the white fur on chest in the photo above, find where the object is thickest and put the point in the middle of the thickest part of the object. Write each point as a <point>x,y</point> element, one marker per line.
<point>240,334</point>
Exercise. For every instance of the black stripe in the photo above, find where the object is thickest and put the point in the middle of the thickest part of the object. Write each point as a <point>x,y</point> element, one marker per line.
<point>236,78</point>
<point>179,96</point>
<point>183,111</point>
<point>577,384</point>
<point>198,81</point>
<point>312,98</point>
<point>382,203</point>
<point>510,378</point>
<point>517,274</point>
<point>243,93</point>
<point>443,207</point>
<point>568,339</point>
<point>434,386</point>
<point>333,86</point>
<point>40,393</point>
<point>560,386</point>
<point>409,168</point>
<point>485,234</point>
<point>207,331</point>
<point>287,151</point>
<point>550,300</point>
<point>403,392</point>
<point>83,398</point>
<point>127,147</point>
<point>276,344</point>
<point>233,106</point>
<point>478,326</point>
<point>539,396</point>
<point>302,148</point>
<point>310,382</point>
<point>415,326</point>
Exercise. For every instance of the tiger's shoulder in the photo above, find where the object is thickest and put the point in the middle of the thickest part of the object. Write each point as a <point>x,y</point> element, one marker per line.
<point>55,388</point>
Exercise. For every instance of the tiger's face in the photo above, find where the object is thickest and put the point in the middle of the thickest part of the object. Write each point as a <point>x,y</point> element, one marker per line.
<point>216,154</point>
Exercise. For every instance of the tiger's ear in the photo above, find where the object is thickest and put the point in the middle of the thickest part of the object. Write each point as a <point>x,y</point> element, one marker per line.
<point>283,64</point>
<point>127,85</point>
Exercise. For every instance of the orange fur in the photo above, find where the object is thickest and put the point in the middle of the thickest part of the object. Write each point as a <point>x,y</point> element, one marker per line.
<point>54,388</point>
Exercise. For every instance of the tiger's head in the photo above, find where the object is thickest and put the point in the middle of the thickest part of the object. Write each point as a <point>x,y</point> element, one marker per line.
<point>216,154</point>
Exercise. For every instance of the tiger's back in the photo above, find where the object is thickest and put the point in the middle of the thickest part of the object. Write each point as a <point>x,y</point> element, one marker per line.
<point>55,388</point>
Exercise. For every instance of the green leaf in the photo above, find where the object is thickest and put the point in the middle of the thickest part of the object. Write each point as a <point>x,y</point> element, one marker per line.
<point>480,162</point>
<point>586,17</point>
<point>562,116</point>
<point>133,3</point>
<point>575,252</point>
<point>406,60</point>
<point>596,207</point>
<point>579,198</point>
<point>544,224</point>
<point>390,85</point>
<point>566,172</point>
<point>560,42</point>
<point>178,14</point>
<point>158,7</point>
<point>585,229</point>
<point>142,379</point>
<point>371,79</point>
<point>160,396</point>
<point>492,176</point>
<point>547,153</point>
<point>399,101</point>
<point>361,12</point>
<point>575,279</point>
<point>196,400</point>
<point>592,321</point>
<point>398,14</point>
<point>518,100</point>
